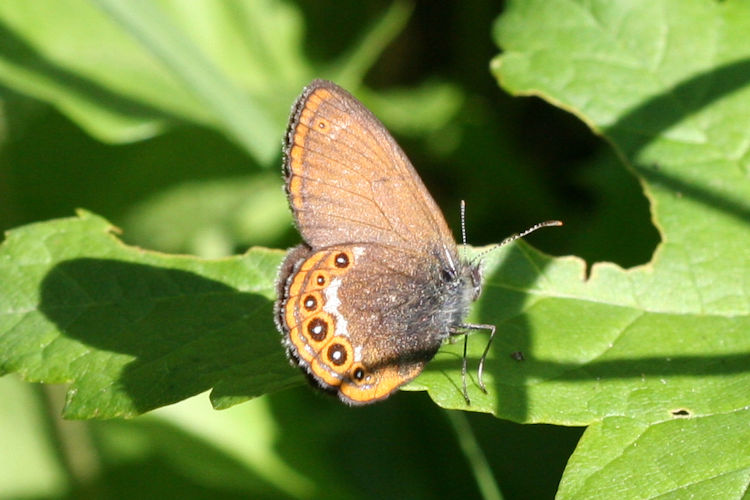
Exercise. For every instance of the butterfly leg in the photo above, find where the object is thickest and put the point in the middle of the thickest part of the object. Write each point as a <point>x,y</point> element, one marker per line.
<point>463,370</point>
<point>480,370</point>
<point>465,328</point>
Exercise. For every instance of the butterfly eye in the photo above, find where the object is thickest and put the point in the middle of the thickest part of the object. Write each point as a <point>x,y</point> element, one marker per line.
<point>448,274</point>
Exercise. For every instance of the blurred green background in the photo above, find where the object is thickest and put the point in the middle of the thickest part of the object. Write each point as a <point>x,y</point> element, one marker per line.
<point>182,179</point>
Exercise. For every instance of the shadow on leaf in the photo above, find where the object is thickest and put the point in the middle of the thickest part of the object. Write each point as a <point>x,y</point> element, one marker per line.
<point>156,336</point>
<point>634,131</point>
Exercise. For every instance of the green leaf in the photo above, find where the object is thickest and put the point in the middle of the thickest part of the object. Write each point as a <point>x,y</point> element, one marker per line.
<point>631,352</point>
<point>127,70</point>
<point>669,463</point>
<point>243,118</point>
<point>133,330</point>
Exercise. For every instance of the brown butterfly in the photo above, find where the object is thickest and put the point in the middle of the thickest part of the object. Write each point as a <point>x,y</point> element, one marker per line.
<point>378,285</point>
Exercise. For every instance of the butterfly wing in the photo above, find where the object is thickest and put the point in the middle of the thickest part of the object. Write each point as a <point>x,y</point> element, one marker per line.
<point>348,181</point>
<point>363,319</point>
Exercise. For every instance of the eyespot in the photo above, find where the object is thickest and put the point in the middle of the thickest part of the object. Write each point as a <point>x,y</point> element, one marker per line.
<point>320,280</point>
<point>341,260</point>
<point>358,374</point>
<point>317,328</point>
<point>310,303</point>
<point>321,124</point>
<point>337,354</point>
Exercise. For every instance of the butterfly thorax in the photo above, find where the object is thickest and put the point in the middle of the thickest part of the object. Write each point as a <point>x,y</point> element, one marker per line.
<point>463,284</point>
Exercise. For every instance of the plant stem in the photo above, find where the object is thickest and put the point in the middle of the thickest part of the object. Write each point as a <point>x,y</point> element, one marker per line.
<point>486,483</point>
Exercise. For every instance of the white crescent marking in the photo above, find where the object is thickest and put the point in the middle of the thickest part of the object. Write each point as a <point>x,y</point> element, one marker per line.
<point>331,306</point>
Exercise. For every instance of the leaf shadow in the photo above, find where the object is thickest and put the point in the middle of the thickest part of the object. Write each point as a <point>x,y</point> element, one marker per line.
<point>698,366</point>
<point>503,299</point>
<point>635,130</point>
<point>153,336</point>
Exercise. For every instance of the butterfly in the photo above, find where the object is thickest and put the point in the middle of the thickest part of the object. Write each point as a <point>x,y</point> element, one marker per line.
<point>377,285</point>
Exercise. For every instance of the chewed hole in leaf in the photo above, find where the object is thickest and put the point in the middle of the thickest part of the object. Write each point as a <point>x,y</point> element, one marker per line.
<point>681,413</point>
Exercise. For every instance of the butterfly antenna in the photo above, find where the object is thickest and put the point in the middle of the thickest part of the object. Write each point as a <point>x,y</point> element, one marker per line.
<point>463,230</point>
<point>463,222</point>
<point>516,236</point>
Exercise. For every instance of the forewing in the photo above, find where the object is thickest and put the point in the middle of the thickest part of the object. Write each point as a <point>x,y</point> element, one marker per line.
<point>348,181</point>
